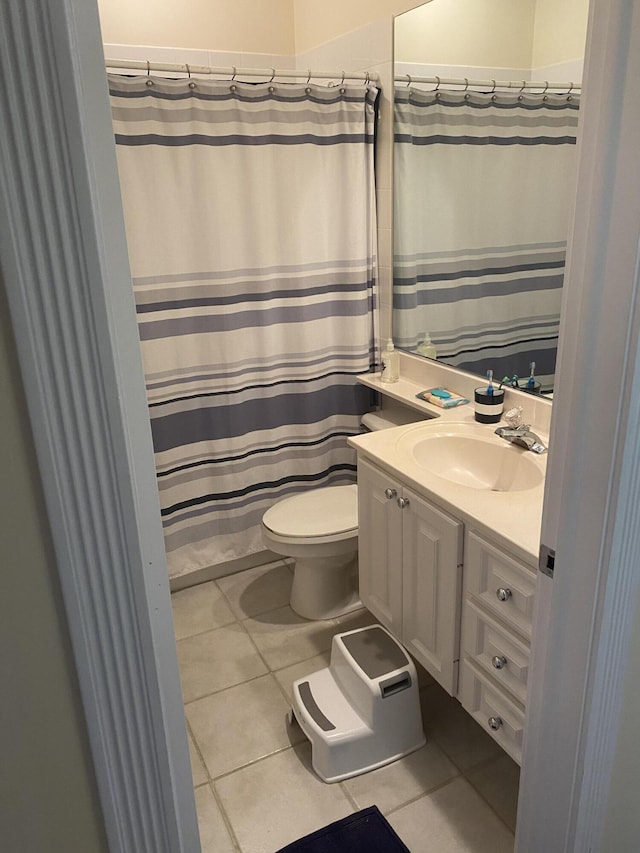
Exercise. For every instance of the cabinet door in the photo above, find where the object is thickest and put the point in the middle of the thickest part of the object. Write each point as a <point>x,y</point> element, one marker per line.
<point>380,545</point>
<point>432,543</point>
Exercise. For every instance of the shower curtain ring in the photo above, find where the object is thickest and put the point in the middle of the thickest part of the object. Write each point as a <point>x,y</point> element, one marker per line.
<point>273,75</point>
<point>408,80</point>
<point>148,68</point>
<point>437,83</point>
<point>569,96</point>
<point>235,71</point>
<point>494,86</point>
<point>188,71</point>
<point>308,76</point>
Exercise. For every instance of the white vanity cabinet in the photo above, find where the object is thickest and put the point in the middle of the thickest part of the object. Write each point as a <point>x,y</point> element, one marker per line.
<point>498,596</point>
<point>410,555</point>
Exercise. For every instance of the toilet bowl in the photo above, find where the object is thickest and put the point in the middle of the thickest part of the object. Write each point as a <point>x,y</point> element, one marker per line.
<point>319,528</point>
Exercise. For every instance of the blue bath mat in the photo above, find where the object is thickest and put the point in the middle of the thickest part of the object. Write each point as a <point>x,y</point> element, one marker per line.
<point>366,831</point>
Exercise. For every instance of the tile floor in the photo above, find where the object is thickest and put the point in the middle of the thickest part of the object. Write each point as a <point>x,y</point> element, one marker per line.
<point>240,646</point>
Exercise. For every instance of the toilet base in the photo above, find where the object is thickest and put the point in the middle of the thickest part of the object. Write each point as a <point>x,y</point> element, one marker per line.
<point>325,588</point>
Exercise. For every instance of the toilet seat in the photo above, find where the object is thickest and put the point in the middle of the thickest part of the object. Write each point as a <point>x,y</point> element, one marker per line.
<point>318,515</point>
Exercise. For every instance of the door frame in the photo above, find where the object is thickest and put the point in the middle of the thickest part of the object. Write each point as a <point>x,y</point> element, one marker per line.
<point>591,518</point>
<point>65,268</point>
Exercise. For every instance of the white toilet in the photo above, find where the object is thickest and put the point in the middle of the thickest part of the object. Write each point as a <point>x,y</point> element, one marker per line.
<point>320,529</point>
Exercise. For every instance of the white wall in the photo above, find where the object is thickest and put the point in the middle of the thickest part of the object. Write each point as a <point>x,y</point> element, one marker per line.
<point>492,33</point>
<point>319,22</point>
<point>560,31</point>
<point>246,26</point>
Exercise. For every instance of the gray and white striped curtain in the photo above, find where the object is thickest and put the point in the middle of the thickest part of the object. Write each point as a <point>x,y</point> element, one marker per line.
<point>250,217</point>
<point>484,185</point>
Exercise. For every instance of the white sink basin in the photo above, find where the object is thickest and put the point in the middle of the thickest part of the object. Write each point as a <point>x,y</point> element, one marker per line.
<point>473,456</point>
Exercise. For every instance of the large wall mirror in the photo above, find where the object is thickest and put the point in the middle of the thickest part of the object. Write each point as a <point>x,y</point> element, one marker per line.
<point>484,180</point>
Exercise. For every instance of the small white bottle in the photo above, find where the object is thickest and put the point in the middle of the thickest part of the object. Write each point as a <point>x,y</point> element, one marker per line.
<point>426,347</point>
<point>390,364</point>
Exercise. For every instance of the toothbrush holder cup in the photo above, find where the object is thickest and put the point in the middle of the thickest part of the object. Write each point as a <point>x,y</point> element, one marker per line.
<point>488,407</point>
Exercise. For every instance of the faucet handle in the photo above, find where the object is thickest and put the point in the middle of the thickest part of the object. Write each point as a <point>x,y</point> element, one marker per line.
<point>514,417</point>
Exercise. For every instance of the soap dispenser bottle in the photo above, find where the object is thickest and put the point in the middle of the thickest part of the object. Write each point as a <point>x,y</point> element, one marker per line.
<point>426,347</point>
<point>390,364</point>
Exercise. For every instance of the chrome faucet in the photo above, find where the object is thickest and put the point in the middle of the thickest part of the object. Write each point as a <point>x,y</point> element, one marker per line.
<point>523,437</point>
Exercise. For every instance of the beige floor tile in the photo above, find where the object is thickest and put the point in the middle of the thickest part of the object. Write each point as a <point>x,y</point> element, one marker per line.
<point>199,608</point>
<point>396,784</point>
<point>498,782</point>
<point>242,724</point>
<point>285,638</point>
<point>198,770</point>
<point>424,679</point>
<point>289,674</point>
<point>275,801</point>
<point>214,835</point>
<point>258,590</point>
<point>216,660</point>
<point>361,618</point>
<point>454,819</point>
<point>454,730</point>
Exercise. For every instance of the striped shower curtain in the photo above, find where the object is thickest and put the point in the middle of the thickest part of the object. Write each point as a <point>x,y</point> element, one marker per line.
<point>484,185</point>
<point>250,217</point>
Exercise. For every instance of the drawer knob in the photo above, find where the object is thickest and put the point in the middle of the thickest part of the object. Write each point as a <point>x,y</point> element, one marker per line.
<point>503,594</point>
<point>390,494</point>
<point>499,661</point>
<point>403,502</point>
<point>494,723</point>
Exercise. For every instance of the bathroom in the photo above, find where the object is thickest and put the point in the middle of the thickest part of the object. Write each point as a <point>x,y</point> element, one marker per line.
<point>381,242</point>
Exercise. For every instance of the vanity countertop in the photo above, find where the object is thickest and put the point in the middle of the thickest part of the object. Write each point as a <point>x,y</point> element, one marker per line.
<point>511,516</point>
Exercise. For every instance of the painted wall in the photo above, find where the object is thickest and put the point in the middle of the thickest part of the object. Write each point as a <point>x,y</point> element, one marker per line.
<point>560,31</point>
<point>450,33</point>
<point>47,786</point>
<point>496,33</point>
<point>316,23</point>
<point>261,26</point>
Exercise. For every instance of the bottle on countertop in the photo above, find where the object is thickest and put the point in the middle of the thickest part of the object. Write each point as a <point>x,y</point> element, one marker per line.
<point>390,363</point>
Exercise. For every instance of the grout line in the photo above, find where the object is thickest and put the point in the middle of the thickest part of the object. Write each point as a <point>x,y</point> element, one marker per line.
<point>349,797</point>
<point>424,794</point>
<point>194,742</point>
<point>225,817</point>
<point>256,761</point>
<point>225,688</point>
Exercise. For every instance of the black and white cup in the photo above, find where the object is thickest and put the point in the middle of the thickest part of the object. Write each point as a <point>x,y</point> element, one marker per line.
<point>488,407</point>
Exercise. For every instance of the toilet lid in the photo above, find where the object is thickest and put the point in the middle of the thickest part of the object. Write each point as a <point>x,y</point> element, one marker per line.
<point>318,512</point>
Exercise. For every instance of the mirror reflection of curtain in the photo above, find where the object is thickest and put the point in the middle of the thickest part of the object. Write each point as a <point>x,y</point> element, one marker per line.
<point>483,190</point>
<point>250,214</point>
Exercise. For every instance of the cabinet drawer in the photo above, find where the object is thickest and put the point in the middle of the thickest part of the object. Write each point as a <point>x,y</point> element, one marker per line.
<point>501,583</point>
<point>493,710</point>
<point>496,650</point>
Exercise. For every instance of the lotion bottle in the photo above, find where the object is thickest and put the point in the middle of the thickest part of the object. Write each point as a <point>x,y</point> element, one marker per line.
<point>390,364</point>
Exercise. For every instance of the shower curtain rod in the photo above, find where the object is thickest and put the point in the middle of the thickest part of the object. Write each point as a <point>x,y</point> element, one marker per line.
<point>267,74</point>
<point>492,84</point>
